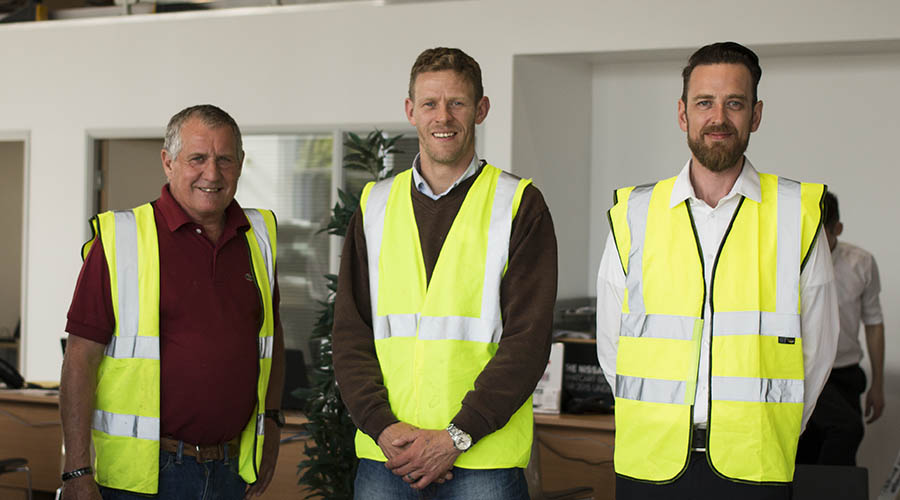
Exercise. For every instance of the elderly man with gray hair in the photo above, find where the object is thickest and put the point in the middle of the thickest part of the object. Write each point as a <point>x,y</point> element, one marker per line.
<point>175,359</point>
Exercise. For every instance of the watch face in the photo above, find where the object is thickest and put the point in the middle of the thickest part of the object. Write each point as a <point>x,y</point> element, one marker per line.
<point>461,440</point>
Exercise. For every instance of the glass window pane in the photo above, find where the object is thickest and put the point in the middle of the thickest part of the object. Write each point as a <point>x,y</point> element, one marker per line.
<point>291,174</point>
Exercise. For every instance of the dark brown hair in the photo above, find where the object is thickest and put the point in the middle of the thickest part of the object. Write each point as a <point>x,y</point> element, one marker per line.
<point>442,59</point>
<point>723,53</point>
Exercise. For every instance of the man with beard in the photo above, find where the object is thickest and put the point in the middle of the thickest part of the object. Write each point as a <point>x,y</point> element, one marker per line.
<point>716,307</point>
<point>445,306</point>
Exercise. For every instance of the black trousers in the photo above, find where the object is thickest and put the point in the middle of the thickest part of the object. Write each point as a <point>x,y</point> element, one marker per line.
<point>699,482</point>
<point>836,427</point>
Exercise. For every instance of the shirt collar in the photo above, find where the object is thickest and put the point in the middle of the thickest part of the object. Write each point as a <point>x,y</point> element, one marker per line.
<point>176,217</point>
<point>746,185</point>
<point>423,187</point>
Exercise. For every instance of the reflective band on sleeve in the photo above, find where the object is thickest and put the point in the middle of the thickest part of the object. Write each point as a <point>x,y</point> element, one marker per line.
<point>265,347</point>
<point>373,226</point>
<point>133,347</point>
<point>460,328</point>
<point>127,273</point>
<point>657,326</point>
<point>133,426</point>
<point>638,206</point>
<point>757,390</point>
<point>790,235</point>
<point>261,231</point>
<point>753,323</point>
<point>651,390</point>
<point>497,254</point>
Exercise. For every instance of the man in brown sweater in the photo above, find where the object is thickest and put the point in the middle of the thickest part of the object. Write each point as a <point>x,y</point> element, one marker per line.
<point>444,306</point>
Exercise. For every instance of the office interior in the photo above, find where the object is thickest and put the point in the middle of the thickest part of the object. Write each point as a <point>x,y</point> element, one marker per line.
<point>583,100</point>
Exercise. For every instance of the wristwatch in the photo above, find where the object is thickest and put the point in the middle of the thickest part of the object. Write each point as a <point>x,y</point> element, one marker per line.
<point>277,416</point>
<point>462,441</point>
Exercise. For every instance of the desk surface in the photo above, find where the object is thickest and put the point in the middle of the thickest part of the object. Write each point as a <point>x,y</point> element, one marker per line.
<point>602,422</point>
<point>37,396</point>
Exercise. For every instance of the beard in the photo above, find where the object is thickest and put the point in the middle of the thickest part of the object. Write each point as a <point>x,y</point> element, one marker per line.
<point>719,156</point>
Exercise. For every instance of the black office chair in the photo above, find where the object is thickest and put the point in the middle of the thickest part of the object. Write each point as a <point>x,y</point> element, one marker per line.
<point>11,465</point>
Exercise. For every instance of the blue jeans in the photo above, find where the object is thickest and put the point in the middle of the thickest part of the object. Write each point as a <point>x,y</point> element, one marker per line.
<point>375,482</point>
<point>183,478</point>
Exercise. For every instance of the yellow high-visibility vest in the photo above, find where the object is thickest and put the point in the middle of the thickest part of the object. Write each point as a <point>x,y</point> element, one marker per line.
<point>126,425</point>
<point>433,339</point>
<point>756,353</point>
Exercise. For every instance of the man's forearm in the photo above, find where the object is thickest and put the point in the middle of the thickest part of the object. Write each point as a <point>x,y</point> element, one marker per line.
<point>875,344</point>
<point>76,398</point>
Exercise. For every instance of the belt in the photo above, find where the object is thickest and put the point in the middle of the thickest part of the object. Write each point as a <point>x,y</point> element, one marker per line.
<point>203,453</point>
<point>698,439</point>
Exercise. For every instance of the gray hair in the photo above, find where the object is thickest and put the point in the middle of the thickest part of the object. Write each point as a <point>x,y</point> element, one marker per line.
<point>211,116</point>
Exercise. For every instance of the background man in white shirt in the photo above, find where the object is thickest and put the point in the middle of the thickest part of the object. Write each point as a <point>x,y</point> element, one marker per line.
<point>836,428</point>
<point>718,110</point>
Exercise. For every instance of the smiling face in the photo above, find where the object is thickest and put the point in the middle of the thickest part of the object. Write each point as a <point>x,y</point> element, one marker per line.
<point>719,115</point>
<point>444,111</point>
<point>203,176</point>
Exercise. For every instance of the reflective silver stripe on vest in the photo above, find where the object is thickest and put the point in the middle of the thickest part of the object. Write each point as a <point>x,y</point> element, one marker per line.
<point>756,323</point>
<point>790,235</point>
<point>460,328</point>
<point>638,207</point>
<point>488,327</point>
<point>265,347</point>
<point>133,347</point>
<point>395,325</point>
<point>132,426</point>
<point>652,390</point>
<point>373,226</point>
<point>127,273</point>
<point>261,231</point>
<point>497,256</point>
<point>659,326</point>
<point>260,424</point>
<point>757,390</point>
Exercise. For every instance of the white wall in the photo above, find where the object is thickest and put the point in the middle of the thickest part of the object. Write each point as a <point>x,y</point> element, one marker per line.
<point>299,67</point>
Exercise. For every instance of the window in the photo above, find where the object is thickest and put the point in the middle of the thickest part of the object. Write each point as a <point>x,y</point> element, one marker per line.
<point>296,175</point>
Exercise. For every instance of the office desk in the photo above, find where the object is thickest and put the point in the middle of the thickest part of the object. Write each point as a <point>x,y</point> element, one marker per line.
<point>577,450</point>
<point>30,428</point>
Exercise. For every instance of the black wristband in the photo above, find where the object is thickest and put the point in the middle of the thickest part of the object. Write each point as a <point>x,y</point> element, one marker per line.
<point>277,416</point>
<point>84,471</point>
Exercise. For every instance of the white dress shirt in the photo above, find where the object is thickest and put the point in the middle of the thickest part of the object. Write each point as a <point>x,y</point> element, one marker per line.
<point>858,285</point>
<point>818,316</point>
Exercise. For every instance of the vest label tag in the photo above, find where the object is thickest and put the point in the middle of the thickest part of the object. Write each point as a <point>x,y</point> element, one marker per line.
<point>786,340</point>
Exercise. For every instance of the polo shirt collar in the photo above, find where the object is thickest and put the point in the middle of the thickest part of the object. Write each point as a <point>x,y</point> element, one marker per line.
<point>176,217</point>
<point>746,185</point>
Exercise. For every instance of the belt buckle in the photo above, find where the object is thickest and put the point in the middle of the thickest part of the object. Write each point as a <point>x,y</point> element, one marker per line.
<point>205,453</point>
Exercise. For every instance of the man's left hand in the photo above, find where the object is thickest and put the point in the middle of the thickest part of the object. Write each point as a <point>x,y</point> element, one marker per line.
<point>269,457</point>
<point>874,404</point>
<point>427,458</point>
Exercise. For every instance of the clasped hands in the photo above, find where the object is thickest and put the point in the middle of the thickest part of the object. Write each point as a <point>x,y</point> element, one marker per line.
<point>419,456</point>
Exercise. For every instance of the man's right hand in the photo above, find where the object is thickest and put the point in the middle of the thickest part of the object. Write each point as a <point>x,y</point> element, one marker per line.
<point>81,488</point>
<point>392,433</point>
<point>403,432</point>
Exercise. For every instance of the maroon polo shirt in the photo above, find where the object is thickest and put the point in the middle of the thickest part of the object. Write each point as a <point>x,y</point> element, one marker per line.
<point>210,316</point>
